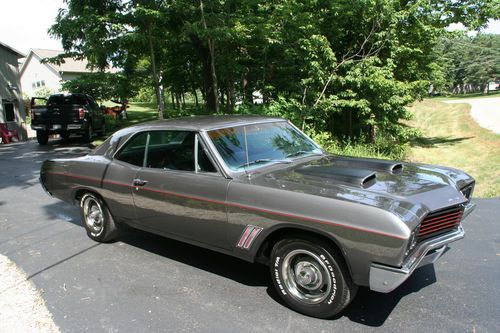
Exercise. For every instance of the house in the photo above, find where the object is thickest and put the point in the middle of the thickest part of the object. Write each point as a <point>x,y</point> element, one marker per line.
<point>12,111</point>
<point>35,74</point>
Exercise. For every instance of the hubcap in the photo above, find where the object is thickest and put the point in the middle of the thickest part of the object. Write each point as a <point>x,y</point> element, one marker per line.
<point>94,217</point>
<point>306,276</point>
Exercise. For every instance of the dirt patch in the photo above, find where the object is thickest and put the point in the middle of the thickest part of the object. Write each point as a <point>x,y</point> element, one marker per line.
<point>22,308</point>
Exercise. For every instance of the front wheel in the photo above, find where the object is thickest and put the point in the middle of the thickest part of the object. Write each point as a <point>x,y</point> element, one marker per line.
<point>97,219</point>
<point>311,277</point>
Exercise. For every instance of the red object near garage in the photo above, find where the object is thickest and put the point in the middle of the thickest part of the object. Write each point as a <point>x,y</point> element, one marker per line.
<point>6,134</point>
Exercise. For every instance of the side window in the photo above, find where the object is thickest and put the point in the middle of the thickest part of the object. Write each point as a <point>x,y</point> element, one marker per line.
<point>174,150</point>
<point>133,151</point>
<point>171,150</point>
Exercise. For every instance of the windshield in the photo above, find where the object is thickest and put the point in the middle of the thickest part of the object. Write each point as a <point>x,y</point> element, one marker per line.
<point>251,146</point>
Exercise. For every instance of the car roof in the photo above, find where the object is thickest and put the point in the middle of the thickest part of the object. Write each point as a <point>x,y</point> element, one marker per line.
<point>203,123</point>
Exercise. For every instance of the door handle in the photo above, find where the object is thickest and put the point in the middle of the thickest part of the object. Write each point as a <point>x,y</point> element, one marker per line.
<point>139,182</point>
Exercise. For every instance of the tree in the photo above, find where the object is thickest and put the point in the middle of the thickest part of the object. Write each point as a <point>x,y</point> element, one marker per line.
<point>114,32</point>
<point>102,86</point>
<point>346,67</point>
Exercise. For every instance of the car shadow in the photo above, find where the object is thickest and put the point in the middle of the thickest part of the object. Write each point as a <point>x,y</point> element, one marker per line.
<point>369,308</point>
<point>214,262</point>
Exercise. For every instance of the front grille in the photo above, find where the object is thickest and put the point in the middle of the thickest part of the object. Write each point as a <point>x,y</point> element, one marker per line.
<point>436,223</point>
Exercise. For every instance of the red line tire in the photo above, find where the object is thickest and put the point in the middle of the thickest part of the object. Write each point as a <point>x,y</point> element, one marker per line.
<point>311,277</point>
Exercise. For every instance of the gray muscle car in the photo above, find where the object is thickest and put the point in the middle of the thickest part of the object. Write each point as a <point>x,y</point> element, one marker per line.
<point>259,189</point>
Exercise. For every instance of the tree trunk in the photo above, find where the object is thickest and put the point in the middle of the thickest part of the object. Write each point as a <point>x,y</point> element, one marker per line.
<point>349,123</point>
<point>221,92</point>
<point>159,94</point>
<point>177,101</point>
<point>195,93</point>
<point>209,97</point>
<point>172,98</point>
<point>211,60</point>
<point>230,99</point>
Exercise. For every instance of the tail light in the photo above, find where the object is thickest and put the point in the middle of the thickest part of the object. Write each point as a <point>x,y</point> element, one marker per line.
<point>32,115</point>
<point>81,113</point>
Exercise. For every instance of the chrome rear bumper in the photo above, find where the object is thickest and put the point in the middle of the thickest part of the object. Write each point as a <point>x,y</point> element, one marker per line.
<point>386,278</point>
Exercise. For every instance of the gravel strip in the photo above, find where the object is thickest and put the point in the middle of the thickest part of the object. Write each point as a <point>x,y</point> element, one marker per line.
<point>485,111</point>
<point>22,308</point>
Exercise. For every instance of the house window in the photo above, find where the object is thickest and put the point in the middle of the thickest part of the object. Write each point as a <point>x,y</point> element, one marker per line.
<point>37,84</point>
<point>42,83</point>
<point>33,85</point>
<point>9,112</point>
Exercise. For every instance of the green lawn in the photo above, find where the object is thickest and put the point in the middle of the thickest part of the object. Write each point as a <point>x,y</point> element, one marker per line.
<point>136,113</point>
<point>452,138</point>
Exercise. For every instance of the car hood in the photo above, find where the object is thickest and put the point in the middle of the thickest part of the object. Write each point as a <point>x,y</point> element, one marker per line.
<point>406,189</point>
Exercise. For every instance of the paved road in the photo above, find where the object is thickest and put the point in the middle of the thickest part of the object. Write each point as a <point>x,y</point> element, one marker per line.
<point>148,283</point>
<point>485,111</point>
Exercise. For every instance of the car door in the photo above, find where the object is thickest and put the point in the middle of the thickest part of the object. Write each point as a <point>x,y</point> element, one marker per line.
<point>175,198</point>
<point>118,181</point>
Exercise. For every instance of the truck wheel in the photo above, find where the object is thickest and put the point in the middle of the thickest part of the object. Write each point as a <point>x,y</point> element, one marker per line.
<point>64,136</point>
<point>97,219</point>
<point>42,137</point>
<point>87,136</point>
<point>311,277</point>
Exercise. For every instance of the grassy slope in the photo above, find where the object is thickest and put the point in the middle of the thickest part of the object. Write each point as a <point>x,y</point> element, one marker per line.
<point>452,138</point>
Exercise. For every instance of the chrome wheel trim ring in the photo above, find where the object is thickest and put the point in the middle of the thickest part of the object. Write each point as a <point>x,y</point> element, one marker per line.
<point>306,276</point>
<point>93,215</point>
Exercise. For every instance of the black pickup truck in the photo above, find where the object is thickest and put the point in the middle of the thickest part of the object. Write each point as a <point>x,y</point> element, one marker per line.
<point>65,114</point>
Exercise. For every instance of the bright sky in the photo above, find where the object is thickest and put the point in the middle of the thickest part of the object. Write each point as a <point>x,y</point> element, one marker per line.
<point>24,24</point>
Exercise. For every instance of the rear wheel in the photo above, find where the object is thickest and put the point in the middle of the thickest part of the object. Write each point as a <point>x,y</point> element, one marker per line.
<point>42,137</point>
<point>97,219</point>
<point>311,277</point>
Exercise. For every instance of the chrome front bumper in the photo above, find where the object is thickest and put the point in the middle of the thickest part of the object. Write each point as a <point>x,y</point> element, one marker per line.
<point>385,279</point>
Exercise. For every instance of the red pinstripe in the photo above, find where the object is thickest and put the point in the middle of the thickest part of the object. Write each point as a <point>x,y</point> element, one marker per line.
<point>231,204</point>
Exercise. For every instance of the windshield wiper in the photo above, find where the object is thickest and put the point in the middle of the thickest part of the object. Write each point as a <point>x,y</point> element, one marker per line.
<point>304,152</point>
<point>263,160</point>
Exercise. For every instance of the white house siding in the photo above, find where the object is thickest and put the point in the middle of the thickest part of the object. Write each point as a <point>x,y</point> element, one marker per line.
<point>10,91</point>
<point>36,72</point>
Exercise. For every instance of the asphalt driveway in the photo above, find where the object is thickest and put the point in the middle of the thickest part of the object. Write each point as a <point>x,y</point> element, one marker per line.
<point>148,283</point>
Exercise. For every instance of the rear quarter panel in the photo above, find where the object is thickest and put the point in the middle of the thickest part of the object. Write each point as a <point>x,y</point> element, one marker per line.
<point>64,177</point>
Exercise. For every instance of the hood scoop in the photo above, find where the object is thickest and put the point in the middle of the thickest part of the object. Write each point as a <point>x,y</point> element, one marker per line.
<point>358,177</point>
<point>370,164</point>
